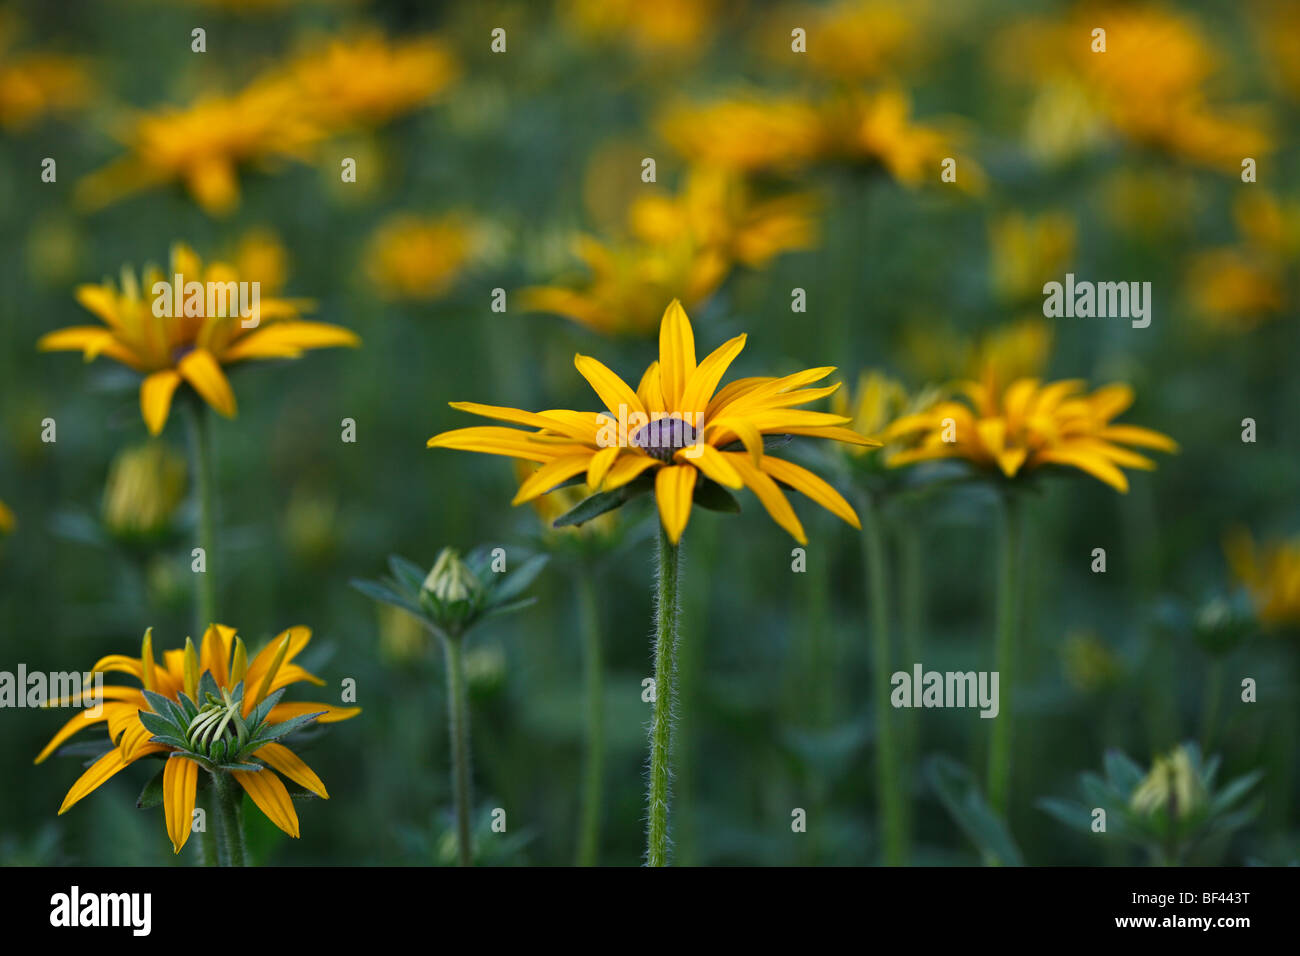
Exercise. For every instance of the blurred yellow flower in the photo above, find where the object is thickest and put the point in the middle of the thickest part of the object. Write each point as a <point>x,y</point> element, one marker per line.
<point>261,256</point>
<point>192,347</point>
<point>34,85</point>
<point>678,426</point>
<point>876,403</point>
<point>1089,664</point>
<point>1027,251</point>
<point>1030,425</point>
<point>419,257</point>
<point>146,484</point>
<point>366,80</point>
<point>7,520</point>
<point>203,145</point>
<point>748,133</point>
<point>1271,574</point>
<point>563,499</point>
<point>850,40</point>
<point>1015,350</point>
<point>1278,26</point>
<point>665,26</point>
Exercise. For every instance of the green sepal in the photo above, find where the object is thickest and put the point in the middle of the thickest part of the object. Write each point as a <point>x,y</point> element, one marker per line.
<point>165,708</point>
<point>258,714</point>
<point>406,573</point>
<point>152,794</point>
<point>714,497</point>
<point>386,595</point>
<point>208,685</point>
<point>601,502</point>
<point>158,724</point>
<point>170,740</point>
<point>276,731</point>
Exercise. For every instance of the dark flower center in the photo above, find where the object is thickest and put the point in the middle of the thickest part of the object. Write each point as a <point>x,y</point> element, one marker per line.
<point>663,437</point>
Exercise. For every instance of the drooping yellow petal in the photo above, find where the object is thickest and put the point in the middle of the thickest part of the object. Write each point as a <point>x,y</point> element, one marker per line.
<point>289,340</point>
<point>510,442</point>
<point>75,725</point>
<point>814,487</point>
<point>744,429</point>
<point>551,474</point>
<point>1092,463</point>
<point>712,462</point>
<point>1139,436</point>
<point>180,787</point>
<point>579,432</point>
<point>100,771</point>
<point>772,498</point>
<point>600,464</point>
<point>201,369</point>
<point>156,398</point>
<point>613,391</point>
<point>627,468</point>
<point>282,712</point>
<point>271,798</point>
<point>676,354</point>
<point>674,492</point>
<point>291,765</point>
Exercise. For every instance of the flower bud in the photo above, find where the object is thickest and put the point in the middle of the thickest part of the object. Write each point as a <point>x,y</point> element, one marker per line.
<point>145,487</point>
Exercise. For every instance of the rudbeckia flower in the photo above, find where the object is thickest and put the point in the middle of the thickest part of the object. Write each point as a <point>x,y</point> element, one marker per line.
<point>6,519</point>
<point>1271,575</point>
<point>249,718</point>
<point>194,347</point>
<point>1029,425</point>
<point>420,257</point>
<point>678,427</point>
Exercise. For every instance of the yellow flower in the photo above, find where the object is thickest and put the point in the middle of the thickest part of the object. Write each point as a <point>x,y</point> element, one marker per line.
<point>145,486</point>
<point>1238,288</point>
<point>876,404</point>
<point>37,84</point>
<point>222,655</point>
<point>667,26</point>
<point>678,425</point>
<point>1029,425</point>
<point>1028,251</point>
<point>367,80</point>
<point>419,257</point>
<point>7,520</point>
<point>748,133</point>
<point>1016,350</point>
<point>852,40</point>
<point>260,256</point>
<point>193,347</point>
<point>1270,574</point>
<point>203,145</point>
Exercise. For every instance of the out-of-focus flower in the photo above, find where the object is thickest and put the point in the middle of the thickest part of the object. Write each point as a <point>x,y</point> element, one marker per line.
<point>1010,433</point>
<point>367,80</point>
<point>1278,27</point>
<point>1238,288</point>
<point>666,26</point>
<point>203,145</point>
<point>1157,204</point>
<point>311,524</point>
<point>210,709</point>
<point>674,426</point>
<point>35,85</point>
<point>1173,785</point>
<point>1270,574</point>
<point>850,40</point>
<point>680,246</point>
<point>1019,349</point>
<point>748,133</point>
<point>7,520</point>
<point>1089,664</point>
<point>420,257</point>
<point>562,500</point>
<point>191,348</point>
<point>145,486</point>
<point>402,638</point>
<point>1027,251</point>
<point>1149,84</point>
<point>260,256</point>
<point>876,403</point>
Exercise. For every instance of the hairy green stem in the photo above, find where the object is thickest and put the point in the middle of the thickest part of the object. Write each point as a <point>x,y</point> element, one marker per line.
<point>661,725</point>
<point>208,854</point>
<point>458,724</point>
<point>200,428</point>
<point>229,798</point>
<point>889,782</point>
<point>594,770</point>
<point>1010,573</point>
<point>912,598</point>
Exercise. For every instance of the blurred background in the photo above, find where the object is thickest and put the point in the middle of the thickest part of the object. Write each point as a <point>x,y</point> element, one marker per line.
<point>774,170</point>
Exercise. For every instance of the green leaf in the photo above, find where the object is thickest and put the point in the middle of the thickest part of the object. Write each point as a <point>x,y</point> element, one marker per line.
<point>152,794</point>
<point>156,724</point>
<point>963,800</point>
<point>380,592</point>
<point>1074,815</point>
<point>258,713</point>
<point>208,685</point>
<point>166,709</point>
<point>406,573</point>
<point>596,505</point>
<point>170,740</point>
<point>499,610</point>
<point>517,581</point>
<point>1122,773</point>
<point>1233,792</point>
<point>714,497</point>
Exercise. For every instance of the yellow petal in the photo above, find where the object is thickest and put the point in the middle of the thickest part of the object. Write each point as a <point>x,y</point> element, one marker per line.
<point>96,774</point>
<point>1141,437</point>
<point>156,398</point>
<point>332,715</point>
<point>742,428</point>
<point>553,473</point>
<point>613,391</point>
<point>180,786</point>
<point>600,465</point>
<point>674,490</point>
<point>290,764</point>
<point>76,724</point>
<point>650,391</point>
<point>807,483</point>
<point>576,431</point>
<point>271,798</point>
<point>1093,464</point>
<point>713,463</point>
<point>676,354</point>
<point>289,340</point>
<point>776,503</point>
<point>201,369</point>
<point>704,380</point>
<point>626,468</point>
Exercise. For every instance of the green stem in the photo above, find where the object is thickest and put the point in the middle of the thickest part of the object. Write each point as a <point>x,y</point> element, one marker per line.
<point>208,855</point>
<point>1010,570</point>
<point>912,590</point>
<point>458,712</point>
<point>593,774</point>
<point>1213,692</point>
<point>229,798</point>
<point>201,465</point>
<point>888,779</point>
<point>661,725</point>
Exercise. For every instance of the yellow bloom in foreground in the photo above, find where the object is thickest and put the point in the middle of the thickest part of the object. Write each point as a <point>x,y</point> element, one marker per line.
<point>193,347</point>
<point>1029,425</point>
<point>419,257</point>
<point>676,424</point>
<point>1272,576</point>
<point>366,80</point>
<point>221,654</point>
<point>203,145</point>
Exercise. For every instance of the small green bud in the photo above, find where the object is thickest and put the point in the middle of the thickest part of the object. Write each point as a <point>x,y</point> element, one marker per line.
<point>450,580</point>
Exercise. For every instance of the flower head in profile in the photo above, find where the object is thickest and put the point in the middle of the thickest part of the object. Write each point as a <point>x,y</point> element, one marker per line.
<point>202,146</point>
<point>145,487</point>
<point>876,403</point>
<point>207,709</point>
<point>1013,431</point>
<point>1270,575</point>
<point>677,433</point>
<point>144,331</point>
<point>366,80</point>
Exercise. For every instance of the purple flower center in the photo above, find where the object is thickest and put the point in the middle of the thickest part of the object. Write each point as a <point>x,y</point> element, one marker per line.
<point>663,437</point>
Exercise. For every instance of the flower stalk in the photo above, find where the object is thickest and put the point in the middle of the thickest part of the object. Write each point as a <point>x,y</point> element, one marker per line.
<point>229,800</point>
<point>458,730</point>
<point>1010,576</point>
<point>667,610</point>
<point>200,429</point>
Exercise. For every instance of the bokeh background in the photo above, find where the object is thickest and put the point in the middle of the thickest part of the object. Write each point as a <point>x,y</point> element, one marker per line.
<point>1129,171</point>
